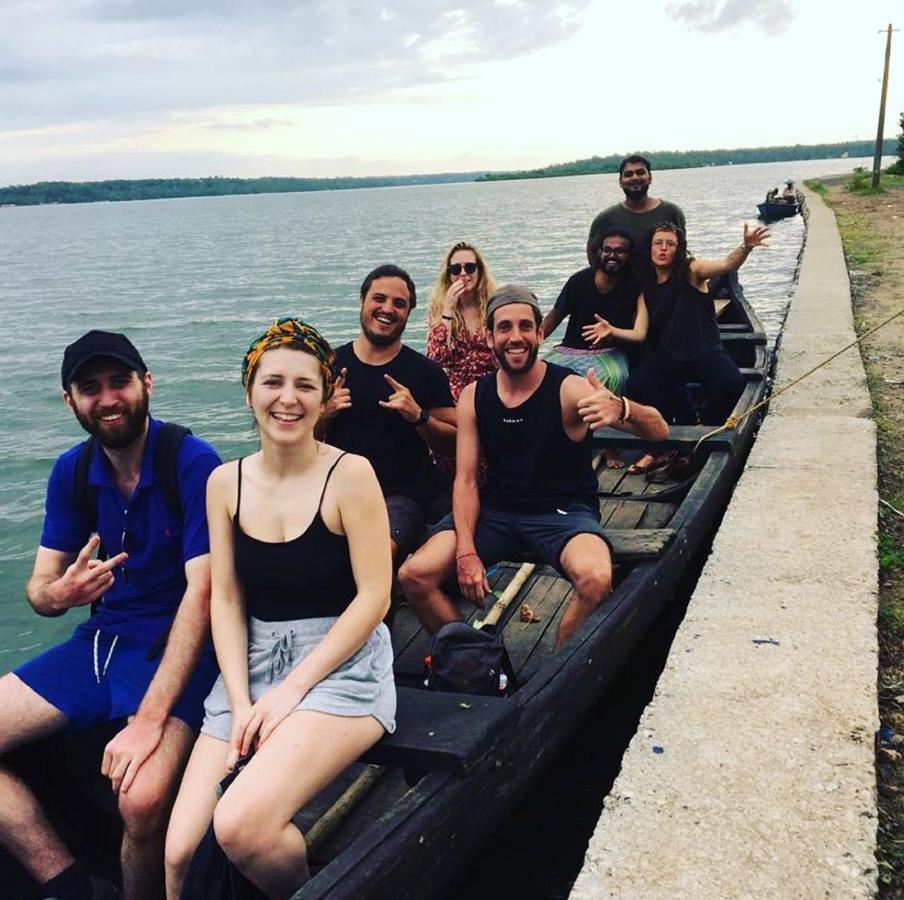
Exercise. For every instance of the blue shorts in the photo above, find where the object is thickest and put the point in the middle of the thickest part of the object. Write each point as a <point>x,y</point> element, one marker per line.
<point>503,535</point>
<point>92,681</point>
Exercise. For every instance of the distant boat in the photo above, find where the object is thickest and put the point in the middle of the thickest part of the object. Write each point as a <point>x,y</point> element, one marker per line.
<point>778,209</point>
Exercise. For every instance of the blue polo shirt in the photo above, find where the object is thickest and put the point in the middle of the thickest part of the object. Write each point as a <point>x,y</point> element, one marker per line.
<point>147,589</point>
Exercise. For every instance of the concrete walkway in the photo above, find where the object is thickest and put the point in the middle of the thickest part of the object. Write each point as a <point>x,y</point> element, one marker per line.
<point>751,774</point>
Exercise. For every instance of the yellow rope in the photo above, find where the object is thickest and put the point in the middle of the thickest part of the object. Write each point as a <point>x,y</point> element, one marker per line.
<point>733,420</point>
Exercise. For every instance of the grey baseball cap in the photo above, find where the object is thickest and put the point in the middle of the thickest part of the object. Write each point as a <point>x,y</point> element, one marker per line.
<point>511,293</point>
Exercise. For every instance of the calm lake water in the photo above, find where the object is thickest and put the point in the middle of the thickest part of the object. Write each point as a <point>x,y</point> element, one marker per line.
<point>193,281</point>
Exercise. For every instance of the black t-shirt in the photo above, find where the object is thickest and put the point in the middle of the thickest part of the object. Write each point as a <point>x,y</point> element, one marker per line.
<point>395,449</point>
<point>580,300</point>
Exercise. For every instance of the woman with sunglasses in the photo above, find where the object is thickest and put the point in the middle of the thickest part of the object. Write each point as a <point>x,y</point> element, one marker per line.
<point>300,579</point>
<point>682,335</point>
<point>456,336</point>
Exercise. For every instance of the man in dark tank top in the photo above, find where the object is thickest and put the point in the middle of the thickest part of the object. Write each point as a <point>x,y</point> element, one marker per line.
<point>531,422</point>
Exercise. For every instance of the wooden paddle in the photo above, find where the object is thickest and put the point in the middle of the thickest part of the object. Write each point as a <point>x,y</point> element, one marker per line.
<point>321,830</point>
<point>505,598</point>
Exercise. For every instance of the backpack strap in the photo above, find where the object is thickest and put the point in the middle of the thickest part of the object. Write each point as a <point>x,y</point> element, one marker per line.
<point>85,495</point>
<point>166,464</point>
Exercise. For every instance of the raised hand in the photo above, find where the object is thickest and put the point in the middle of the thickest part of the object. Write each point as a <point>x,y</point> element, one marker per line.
<point>602,408</point>
<point>401,401</point>
<point>86,579</point>
<point>340,399</point>
<point>596,333</point>
<point>756,237</point>
<point>453,296</point>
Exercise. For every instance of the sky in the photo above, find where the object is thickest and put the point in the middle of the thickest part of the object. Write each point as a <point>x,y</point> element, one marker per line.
<point>95,89</point>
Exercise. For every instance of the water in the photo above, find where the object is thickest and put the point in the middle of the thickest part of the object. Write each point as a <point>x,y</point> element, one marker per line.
<point>193,281</point>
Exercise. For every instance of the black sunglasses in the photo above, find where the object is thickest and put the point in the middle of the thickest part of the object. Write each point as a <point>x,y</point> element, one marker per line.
<point>455,268</point>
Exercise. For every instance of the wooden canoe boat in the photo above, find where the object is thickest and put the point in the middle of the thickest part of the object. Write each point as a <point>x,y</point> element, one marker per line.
<point>457,763</point>
<point>403,821</point>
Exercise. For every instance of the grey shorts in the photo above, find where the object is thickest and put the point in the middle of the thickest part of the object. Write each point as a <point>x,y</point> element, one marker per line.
<point>362,686</point>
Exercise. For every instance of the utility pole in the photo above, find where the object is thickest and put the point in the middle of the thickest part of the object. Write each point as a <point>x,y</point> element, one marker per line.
<point>877,158</point>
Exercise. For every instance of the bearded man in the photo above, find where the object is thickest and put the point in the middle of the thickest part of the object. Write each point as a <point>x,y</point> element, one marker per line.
<point>392,405</point>
<point>531,421</point>
<point>638,212</point>
<point>143,655</point>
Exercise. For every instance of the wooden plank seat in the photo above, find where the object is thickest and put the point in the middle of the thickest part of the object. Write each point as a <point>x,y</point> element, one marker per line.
<point>755,337</point>
<point>629,545</point>
<point>680,436</point>
<point>443,732</point>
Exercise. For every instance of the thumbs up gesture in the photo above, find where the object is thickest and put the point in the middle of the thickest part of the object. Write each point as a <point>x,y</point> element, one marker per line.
<point>601,408</point>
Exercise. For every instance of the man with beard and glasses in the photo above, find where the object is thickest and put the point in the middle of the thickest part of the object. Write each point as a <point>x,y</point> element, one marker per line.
<point>594,300</point>
<point>638,212</point>
<point>531,421</point>
<point>118,664</point>
<point>392,405</point>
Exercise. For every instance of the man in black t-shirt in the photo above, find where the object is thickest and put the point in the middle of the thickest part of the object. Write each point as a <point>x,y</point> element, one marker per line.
<point>531,422</point>
<point>606,288</point>
<point>392,405</point>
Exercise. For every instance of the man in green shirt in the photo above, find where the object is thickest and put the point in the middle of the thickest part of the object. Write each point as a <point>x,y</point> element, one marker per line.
<point>638,212</point>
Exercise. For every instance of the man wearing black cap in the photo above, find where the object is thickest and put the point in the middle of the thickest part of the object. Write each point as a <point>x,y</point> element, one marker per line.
<point>119,663</point>
<point>531,421</point>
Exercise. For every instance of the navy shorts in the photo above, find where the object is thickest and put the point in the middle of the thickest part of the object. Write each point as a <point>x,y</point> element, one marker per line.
<point>91,682</point>
<point>503,535</point>
<point>407,519</point>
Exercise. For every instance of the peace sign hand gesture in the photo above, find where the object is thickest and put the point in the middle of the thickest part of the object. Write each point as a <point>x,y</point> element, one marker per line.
<point>86,579</point>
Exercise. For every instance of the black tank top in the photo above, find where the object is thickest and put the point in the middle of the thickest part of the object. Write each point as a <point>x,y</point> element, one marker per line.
<point>305,578</point>
<point>533,465</point>
<point>682,320</point>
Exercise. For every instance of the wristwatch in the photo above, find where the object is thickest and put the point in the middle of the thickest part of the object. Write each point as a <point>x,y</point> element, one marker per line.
<point>422,418</point>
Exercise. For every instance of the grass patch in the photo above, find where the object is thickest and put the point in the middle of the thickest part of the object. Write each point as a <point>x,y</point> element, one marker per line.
<point>816,186</point>
<point>891,553</point>
<point>860,244</point>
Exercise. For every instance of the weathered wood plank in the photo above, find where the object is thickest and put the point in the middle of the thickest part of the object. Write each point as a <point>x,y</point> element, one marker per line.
<point>448,732</point>
<point>681,436</point>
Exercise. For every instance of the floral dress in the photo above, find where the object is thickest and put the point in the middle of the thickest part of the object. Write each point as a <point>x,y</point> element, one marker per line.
<point>464,361</point>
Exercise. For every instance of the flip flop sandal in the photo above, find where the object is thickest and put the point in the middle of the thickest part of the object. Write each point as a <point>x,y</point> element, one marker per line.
<point>659,461</point>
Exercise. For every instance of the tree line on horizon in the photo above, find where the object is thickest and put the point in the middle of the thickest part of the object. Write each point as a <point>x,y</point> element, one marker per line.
<point>688,159</point>
<point>49,192</point>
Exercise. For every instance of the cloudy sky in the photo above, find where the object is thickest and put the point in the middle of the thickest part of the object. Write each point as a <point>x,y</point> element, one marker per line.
<point>93,89</point>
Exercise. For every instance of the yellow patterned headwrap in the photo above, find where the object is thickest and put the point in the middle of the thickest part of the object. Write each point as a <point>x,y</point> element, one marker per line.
<point>295,333</point>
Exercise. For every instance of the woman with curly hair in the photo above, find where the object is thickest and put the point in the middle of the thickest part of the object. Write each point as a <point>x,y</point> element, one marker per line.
<point>456,335</point>
<point>300,579</point>
<point>679,324</point>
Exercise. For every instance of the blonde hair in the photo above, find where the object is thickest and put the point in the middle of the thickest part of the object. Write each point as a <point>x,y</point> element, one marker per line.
<point>485,287</point>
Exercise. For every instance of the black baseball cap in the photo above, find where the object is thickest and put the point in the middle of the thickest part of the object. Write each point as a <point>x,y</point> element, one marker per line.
<point>95,344</point>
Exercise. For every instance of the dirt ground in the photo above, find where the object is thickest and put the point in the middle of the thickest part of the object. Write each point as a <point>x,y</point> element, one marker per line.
<point>872,229</point>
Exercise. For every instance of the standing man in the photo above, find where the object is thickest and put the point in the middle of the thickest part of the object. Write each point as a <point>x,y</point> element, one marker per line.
<point>119,663</point>
<point>392,405</point>
<point>531,421</point>
<point>638,212</point>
